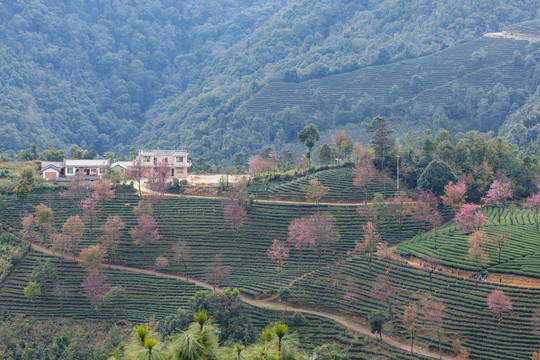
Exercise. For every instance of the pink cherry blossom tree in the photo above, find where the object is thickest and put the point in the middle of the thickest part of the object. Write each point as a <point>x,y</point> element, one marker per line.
<point>499,304</point>
<point>533,204</point>
<point>145,232</point>
<point>91,209</point>
<point>301,235</point>
<point>95,288</point>
<point>257,165</point>
<point>469,219</point>
<point>498,194</point>
<point>364,173</point>
<point>235,214</point>
<point>278,252</point>
<point>371,240</point>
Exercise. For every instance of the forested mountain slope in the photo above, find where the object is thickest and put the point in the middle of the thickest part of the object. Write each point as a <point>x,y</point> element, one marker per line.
<point>97,72</point>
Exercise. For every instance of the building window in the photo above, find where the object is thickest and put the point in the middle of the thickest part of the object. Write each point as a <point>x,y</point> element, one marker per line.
<point>179,171</point>
<point>179,159</point>
<point>166,160</point>
<point>146,158</point>
<point>70,170</point>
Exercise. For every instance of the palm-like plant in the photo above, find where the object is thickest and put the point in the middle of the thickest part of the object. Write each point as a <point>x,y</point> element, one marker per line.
<point>143,346</point>
<point>201,317</point>
<point>200,341</point>
<point>238,350</point>
<point>262,352</point>
<point>280,330</point>
<point>141,333</point>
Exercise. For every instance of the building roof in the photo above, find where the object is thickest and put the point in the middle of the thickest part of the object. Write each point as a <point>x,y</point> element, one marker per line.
<point>122,164</point>
<point>55,165</point>
<point>163,152</point>
<point>86,163</point>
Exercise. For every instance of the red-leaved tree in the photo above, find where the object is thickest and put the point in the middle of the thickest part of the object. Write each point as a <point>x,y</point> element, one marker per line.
<point>95,288</point>
<point>278,252</point>
<point>146,231</point>
<point>499,304</point>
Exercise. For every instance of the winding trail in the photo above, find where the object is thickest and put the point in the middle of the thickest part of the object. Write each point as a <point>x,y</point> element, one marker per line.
<point>346,321</point>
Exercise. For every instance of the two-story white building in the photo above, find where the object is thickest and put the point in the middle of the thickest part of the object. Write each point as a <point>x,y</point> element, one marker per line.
<point>176,160</point>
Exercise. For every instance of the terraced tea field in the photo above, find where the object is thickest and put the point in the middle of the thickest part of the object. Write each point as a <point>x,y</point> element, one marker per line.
<point>520,256</point>
<point>200,222</point>
<point>152,296</point>
<point>440,71</point>
<point>466,314</point>
<point>339,182</point>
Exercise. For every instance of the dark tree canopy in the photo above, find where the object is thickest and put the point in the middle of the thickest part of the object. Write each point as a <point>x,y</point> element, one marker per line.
<point>436,175</point>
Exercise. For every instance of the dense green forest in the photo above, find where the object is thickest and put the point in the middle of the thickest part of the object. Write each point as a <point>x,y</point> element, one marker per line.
<point>176,74</point>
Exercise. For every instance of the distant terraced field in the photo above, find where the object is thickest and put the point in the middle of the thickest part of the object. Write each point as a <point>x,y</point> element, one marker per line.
<point>440,71</point>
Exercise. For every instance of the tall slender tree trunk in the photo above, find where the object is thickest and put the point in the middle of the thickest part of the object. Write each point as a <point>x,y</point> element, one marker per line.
<point>412,343</point>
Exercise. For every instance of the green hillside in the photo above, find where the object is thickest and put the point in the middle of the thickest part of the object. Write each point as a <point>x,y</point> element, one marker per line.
<point>167,74</point>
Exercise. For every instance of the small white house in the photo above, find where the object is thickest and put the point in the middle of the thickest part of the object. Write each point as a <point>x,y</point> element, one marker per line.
<point>85,167</point>
<point>51,169</point>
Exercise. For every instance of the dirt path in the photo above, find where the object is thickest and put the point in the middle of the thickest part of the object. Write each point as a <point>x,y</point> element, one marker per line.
<point>347,322</point>
<point>492,278</point>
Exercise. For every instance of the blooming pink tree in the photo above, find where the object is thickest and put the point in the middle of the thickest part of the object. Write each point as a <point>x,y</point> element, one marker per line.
<point>499,304</point>
<point>364,173</point>
<point>145,231</point>
<point>428,197</point>
<point>469,219</point>
<point>533,204</point>
<point>91,209</point>
<point>95,288</point>
<point>498,194</point>
<point>301,235</point>
<point>435,221</point>
<point>278,252</point>
<point>369,244</point>
<point>325,233</point>
<point>257,165</point>
<point>235,214</point>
